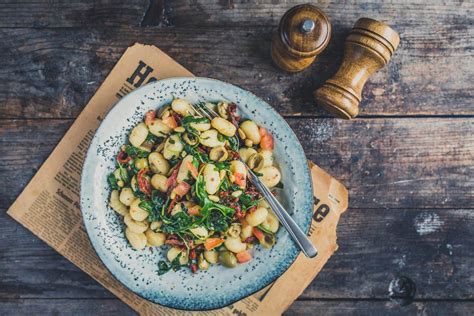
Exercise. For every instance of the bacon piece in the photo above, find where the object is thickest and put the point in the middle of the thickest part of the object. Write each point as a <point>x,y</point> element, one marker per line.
<point>149,117</point>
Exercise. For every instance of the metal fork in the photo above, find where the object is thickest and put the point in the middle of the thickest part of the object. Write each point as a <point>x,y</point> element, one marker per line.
<point>298,236</point>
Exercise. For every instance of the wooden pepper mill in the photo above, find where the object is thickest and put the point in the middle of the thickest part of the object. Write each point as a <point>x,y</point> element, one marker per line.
<point>304,32</point>
<point>368,48</point>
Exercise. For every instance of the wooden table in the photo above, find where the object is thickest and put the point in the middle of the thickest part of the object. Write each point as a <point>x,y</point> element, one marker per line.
<point>407,159</point>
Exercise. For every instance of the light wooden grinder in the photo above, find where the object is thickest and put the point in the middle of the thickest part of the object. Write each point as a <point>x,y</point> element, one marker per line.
<point>304,32</point>
<point>368,48</point>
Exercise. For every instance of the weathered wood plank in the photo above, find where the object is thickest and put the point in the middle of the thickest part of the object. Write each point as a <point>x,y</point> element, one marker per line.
<point>65,307</point>
<point>431,247</point>
<point>386,163</point>
<point>337,307</point>
<point>52,73</point>
<point>219,13</point>
<point>387,308</point>
<point>65,13</point>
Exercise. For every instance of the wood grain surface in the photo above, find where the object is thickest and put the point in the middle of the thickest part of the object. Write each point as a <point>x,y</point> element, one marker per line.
<point>407,159</point>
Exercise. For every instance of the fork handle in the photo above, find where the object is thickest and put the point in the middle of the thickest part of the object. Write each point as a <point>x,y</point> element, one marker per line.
<point>298,236</point>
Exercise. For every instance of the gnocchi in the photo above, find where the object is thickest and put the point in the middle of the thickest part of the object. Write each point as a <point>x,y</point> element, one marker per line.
<point>210,138</point>
<point>158,163</point>
<point>250,129</point>
<point>138,135</point>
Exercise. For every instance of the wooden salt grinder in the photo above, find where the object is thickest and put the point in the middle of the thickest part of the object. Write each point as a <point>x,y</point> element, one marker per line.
<point>369,47</point>
<point>304,32</point>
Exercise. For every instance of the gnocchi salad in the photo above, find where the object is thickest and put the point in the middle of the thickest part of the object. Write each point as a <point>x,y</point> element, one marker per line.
<point>181,183</point>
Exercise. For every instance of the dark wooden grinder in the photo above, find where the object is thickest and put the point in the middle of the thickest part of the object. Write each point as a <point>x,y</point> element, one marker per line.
<point>369,47</point>
<point>303,33</point>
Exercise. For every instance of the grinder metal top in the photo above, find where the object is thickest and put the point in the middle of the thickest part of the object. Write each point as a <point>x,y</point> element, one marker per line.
<point>305,30</point>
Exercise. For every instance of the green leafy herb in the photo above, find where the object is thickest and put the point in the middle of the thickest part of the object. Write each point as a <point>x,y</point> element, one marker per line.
<point>217,221</point>
<point>112,181</point>
<point>164,267</point>
<point>123,174</point>
<point>138,193</point>
<point>135,152</point>
<point>264,229</point>
<point>200,189</point>
<point>179,222</point>
<point>154,206</point>
<point>150,138</point>
<point>233,143</point>
<point>224,165</point>
<point>221,137</point>
<point>224,185</point>
<point>202,157</point>
<point>188,120</point>
<point>147,205</point>
<point>174,162</point>
<point>247,201</point>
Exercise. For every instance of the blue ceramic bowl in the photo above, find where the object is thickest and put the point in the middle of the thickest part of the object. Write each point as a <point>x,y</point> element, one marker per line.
<point>137,270</point>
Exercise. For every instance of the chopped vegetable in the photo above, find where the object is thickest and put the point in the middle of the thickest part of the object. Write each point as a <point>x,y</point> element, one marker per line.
<point>143,182</point>
<point>170,121</point>
<point>149,117</point>
<point>212,243</point>
<point>243,256</point>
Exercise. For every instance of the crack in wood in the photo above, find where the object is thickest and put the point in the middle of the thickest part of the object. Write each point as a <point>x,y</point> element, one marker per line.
<point>157,14</point>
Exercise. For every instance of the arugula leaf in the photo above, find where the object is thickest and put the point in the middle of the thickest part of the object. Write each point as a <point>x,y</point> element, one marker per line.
<point>200,190</point>
<point>221,137</point>
<point>146,205</point>
<point>224,185</point>
<point>217,221</point>
<point>247,201</point>
<point>133,151</point>
<point>150,138</point>
<point>123,174</point>
<point>112,182</point>
<point>233,143</point>
<point>202,157</point>
<point>187,120</point>
<point>179,222</point>
<point>138,193</point>
<point>154,206</point>
<point>163,267</point>
<point>264,229</point>
<point>224,165</point>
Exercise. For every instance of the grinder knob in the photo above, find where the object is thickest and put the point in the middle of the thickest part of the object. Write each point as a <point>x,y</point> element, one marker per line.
<point>304,32</point>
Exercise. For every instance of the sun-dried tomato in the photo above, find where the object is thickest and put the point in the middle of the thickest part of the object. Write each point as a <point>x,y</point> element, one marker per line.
<point>177,118</point>
<point>250,240</point>
<point>143,183</point>
<point>251,209</point>
<point>232,114</point>
<point>123,157</point>
<point>234,155</point>
<point>193,267</point>
<point>173,240</point>
<point>171,182</point>
<point>192,254</point>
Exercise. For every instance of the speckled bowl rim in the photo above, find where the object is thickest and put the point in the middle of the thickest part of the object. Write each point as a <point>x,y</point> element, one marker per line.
<point>307,190</point>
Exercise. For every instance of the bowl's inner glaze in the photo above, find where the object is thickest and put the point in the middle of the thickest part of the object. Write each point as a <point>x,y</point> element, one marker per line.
<point>137,270</point>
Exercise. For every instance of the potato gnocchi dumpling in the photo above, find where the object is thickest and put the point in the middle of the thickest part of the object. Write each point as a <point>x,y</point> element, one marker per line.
<point>182,183</point>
